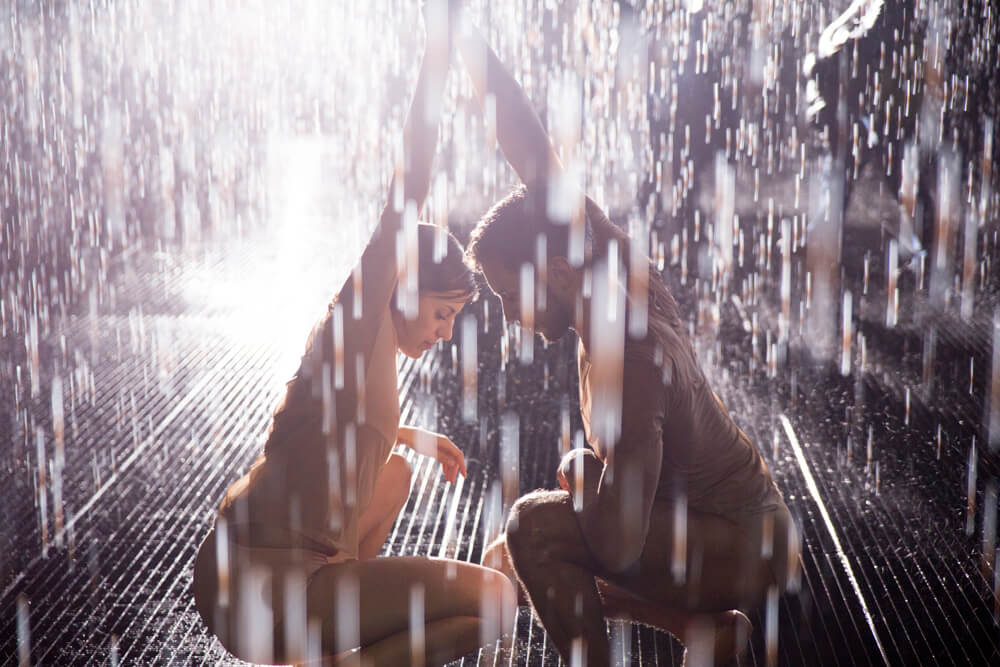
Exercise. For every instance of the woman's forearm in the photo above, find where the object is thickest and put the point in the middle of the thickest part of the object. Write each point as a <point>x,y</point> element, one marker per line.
<point>406,436</point>
<point>420,133</point>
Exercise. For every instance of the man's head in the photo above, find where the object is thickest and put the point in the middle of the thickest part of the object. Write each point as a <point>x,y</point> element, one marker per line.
<point>523,257</point>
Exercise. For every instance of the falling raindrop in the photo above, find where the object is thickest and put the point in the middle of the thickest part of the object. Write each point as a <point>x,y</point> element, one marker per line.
<point>989,527</point>
<point>470,368</point>
<point>771,626</point>
<point>847,328</point>
<point>23,632</point>
<point>822,215</point>
<point>993,405</point>
<point>970,490</point>
<point>417,638</point>
<point>510,458</point>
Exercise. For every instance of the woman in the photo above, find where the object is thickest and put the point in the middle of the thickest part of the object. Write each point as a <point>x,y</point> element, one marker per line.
<point>289,572</point>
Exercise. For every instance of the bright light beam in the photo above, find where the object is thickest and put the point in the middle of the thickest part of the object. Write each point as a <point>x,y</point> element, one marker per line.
<point>814,492</point>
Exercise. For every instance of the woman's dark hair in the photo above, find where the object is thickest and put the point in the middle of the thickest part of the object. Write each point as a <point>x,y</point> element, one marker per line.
<point>441,265</point>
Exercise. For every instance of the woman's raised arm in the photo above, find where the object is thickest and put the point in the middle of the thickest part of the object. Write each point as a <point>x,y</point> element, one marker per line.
<point>378,263</point>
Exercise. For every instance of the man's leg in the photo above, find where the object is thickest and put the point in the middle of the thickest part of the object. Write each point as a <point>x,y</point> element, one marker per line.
<point>728,631</point>
<point>709,636</point>
<point>720,574</point>
<point>557,571</point>
<point>727,567</point>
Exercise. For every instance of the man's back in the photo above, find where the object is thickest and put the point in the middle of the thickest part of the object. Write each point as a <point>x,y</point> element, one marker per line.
<point>706,457</point>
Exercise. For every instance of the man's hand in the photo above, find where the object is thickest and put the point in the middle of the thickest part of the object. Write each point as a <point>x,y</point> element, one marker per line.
<point>578,474</point>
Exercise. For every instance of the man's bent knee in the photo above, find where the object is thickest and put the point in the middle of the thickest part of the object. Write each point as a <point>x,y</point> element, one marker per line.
<point>533,521</point>
<point>771,557</point>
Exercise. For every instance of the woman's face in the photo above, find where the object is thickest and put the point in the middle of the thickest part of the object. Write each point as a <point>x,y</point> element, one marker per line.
<point>435,320</point>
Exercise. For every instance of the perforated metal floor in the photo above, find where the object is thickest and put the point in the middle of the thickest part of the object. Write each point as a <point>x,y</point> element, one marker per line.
<point>167,392</point>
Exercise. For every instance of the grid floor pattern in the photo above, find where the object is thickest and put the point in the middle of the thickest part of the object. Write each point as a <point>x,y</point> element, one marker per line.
<point>165,406</point>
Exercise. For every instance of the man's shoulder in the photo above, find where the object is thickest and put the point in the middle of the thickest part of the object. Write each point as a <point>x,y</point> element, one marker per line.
<point>647,349</point>
<point>666,348</point>
<point>660,336</point>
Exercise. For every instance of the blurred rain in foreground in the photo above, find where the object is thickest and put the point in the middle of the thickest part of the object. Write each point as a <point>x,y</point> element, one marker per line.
<point>826,172</point>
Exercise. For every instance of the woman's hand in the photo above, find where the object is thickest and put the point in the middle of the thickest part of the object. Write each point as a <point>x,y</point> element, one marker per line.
<point>451,457</point>
<point>438,447</point>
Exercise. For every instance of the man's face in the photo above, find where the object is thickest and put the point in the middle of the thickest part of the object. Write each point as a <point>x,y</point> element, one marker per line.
<point>551,323</point>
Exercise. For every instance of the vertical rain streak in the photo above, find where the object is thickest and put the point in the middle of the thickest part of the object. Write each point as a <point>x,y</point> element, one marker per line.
<point>972,472</point>
<point>510,460</point>
<point>992,407</point>
<point>59,458</point>
<point>23,632</point>
<point>846,333</point>
<point>470,367</point>
<point>607,349</point>
<point>945,227</point>
<point>418,642</point>
<point>989,535</point>
<point>527,314</point>
<point>149,127</point>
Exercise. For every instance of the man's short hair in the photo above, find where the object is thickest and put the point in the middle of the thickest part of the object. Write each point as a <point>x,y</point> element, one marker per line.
<point>509,232</point>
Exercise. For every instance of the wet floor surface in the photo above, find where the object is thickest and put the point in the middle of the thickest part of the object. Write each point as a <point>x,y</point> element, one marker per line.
<point>183,185</point>
<point>169,397</point>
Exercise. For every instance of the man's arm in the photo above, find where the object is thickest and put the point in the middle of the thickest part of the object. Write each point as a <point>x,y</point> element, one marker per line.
<point>523,139</point>
<point>615,513</point>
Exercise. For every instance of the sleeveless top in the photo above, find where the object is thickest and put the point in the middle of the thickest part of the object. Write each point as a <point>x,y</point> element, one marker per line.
<point>331,434</point>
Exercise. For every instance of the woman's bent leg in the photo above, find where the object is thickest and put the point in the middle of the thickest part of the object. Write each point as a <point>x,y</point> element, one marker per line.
<point>419,608</point>
<point>402,649</point>
<point>392,488</point>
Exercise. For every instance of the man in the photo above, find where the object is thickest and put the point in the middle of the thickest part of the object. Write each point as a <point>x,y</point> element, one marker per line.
<point>670,517</point>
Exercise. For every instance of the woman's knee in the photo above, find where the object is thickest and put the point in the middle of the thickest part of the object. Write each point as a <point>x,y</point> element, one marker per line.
<point>501,591</point>
<point>213,590</point>
<point>205,581</point>
<point>495,555</point>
